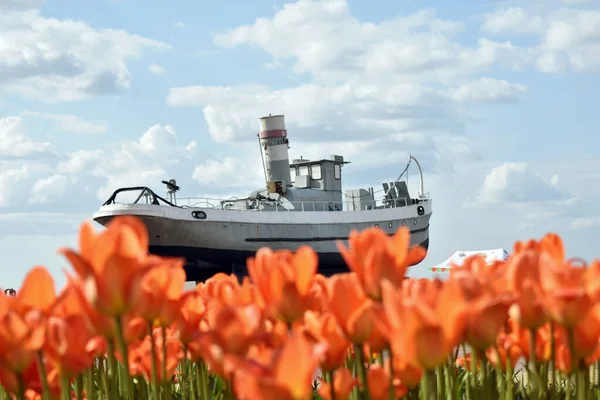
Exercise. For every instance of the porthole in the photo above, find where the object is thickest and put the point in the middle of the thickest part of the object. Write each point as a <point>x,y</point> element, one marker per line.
<point>199,214</point>
<point>420,210</point>
<point>376,225</point>
<point>414,222</point>
<point>390,225</point>
<point>403,223</point>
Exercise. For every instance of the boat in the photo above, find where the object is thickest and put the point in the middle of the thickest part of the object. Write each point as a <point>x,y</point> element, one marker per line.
<point>302,203</point>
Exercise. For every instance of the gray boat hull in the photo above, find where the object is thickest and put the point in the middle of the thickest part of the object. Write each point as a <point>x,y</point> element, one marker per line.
<point>225,239</point>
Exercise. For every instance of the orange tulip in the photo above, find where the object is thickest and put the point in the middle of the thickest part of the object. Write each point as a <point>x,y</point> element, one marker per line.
<point>157,299</point>
<point>509,345</point>
<point>284,280</point>
<point>486,317</point>
<point>23,320</point>
<point>566,299</point>
<point>231,331</point>
<point>66,343</point>
<point>523,276</point>
<point>379,384</point>
<point>288,376</point>
<point>351,307</point>
<point>112,263</point>
<point>227,290</point>
<point>424,332</point>
<point>342,385</point>
<point>376,257</point>
<point>36,293</point>
<point>140,356</point>
<point>191,312</point>
<point>591,280</point>
<point>325,329</point>
<point>318,294</point>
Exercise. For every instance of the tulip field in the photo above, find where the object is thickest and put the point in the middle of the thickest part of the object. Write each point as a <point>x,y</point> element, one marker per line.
<point>123,327</point>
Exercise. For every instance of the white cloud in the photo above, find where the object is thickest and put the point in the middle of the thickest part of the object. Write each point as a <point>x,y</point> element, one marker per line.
<point>514,20</point>
<point>16,179</point>
<point>578,2</point>
<point>70,123</point>
<point>515,183</point>
<point>49,188</point>
<point>156,69</point>
<point>346,110</point>
<point>145,161</point>
<point>488,90</point>
<point>585,223</point>
<point>11,5</point>
<point>569,38</point>
<point>229,172</point>
<point>14,142</point>
<point>63,60</point>
<point>335,45</point>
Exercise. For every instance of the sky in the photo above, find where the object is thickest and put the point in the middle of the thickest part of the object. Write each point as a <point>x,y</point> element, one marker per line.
<point>498,100</point>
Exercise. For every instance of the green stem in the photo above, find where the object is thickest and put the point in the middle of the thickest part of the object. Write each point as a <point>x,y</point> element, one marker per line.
<point>113,372</point>
<point>127,383</point>
<point>199,383</point>
<point>205,380</point>
<point>90,393</point>
<point>362,371</point>
<point>441,384</point>
<point>79,387</point>
<point>154,368</point>
<point>449,387</point>
<point>532,370</point>
<point>474,382</point>
<point>103,376</point>
<point>193,386</point>
<point>21,391</point>
<point>329,379</point>
<point>391,389</point>
<point>586,380</point>
<point>552,364</point>
<point>164,357</point>
<point>580,391</point>
<point>184,374</point>
<point>510,393</point>
<point>498,369</point>
<point>65,388</point>
<point>574,363</point>
<point>484,378</point>
<point>43,376</point>
<point>467,384</point>
<point>428,385</point>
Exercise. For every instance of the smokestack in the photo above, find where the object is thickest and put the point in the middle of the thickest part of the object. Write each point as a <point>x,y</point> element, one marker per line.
<point>274,145</point>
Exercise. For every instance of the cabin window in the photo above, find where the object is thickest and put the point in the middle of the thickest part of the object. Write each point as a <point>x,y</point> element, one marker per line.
<point>337,171</point>
<point>315,171</point>
<point>303,170</point>
<point>293,174</point>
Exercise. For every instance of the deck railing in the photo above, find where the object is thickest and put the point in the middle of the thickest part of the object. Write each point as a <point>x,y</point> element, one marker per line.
<point>265,205</point>
<point>147,196</point>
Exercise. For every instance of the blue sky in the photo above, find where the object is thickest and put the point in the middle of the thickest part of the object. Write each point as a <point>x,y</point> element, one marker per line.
<point>497,99</point>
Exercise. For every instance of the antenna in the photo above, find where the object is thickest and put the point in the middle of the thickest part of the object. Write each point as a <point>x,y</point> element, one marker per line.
<point>172,188</point>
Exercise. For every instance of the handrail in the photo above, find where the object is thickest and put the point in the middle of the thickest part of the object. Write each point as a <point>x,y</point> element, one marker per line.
<point>267,204</point>
<point>422,194</point>
<point>143,190</point>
